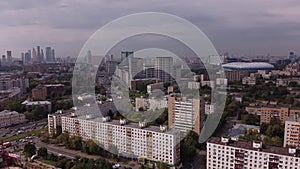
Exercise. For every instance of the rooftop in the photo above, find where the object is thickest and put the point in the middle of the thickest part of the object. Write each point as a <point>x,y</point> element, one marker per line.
<point>99,119</point>
<point>293,119</point>
<point>248,66</point>
<point>31,103</point>
<point>4,112</point>
<point>249,146</point>
<point>239,129</point>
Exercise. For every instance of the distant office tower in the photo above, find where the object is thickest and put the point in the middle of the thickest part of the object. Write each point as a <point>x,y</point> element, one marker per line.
<point>42,56</point>
<point>164,68</point>
<point>3,59</point>
<point>38,53</point>
<point>110,67</point>
<point>186,114</point>
<point>27,58</point>
<point>108,58</point>
<point>29,52</point>
<point>48,55</point>
<point>9,56</point>
<point>34,55</point>
<point>53,55</point>
<point>89,57</point>
<point>135,67</point>
<point>23,57</point>
<point>126,54</point>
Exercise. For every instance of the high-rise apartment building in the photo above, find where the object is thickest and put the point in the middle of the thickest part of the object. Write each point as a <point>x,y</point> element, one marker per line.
<point>34,55</point>
<point>48,55</point>
<point>186,114</point>
<point>126,54</point>
<point>53,55</point>
<point>133,140</point>
<point>39,54</point>
<point>42,56</point>
<point>135,66</point>
<point>9,56</point>
<point>164,68</point>
<point>225,153</point>
<point>54,120</point>
<point>292,132</point>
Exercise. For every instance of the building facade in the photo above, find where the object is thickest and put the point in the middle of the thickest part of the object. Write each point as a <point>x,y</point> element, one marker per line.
<point>54,121</point>
<point>292,132</point>
<point>130,140</point>
<point>224,153</point>
<point>39,93</point>
<point>269,111</point>
<point>9,118</point>
<point>164,68</point>
<point>186,114</point>
<point>45,105</point>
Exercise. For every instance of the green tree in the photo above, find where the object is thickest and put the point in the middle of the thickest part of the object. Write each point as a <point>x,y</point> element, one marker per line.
<point>163,118</point>
<point>29,149</point>
<point>251,119</point>
<point>63,138</point>
<point>90,147</point>
<point>251,135</point>
<point>15,105</point>
<point>75,143</point>
<point>29,115</point>
<point>188,147</point>
<point>162,165</point>
<point>43,152</point>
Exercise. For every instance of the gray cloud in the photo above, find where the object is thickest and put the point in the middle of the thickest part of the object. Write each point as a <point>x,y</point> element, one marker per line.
<point>239,27</point>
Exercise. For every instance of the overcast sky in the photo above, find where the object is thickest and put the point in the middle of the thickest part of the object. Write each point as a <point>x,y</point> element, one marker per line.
<point>248,27</point>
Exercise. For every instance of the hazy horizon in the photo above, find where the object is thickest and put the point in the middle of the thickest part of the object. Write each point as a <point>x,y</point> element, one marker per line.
<point>241,28</point>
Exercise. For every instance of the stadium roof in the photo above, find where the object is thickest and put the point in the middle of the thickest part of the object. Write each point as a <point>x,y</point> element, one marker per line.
<point>248,66</point>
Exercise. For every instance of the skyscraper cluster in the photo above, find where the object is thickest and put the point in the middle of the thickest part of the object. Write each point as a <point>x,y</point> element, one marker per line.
<point>37,55</point>
<point>7,59</point>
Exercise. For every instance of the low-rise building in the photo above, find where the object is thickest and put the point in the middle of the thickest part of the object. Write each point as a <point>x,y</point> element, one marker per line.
<point>239,130</point>
<point>30,105</point>
<point>39,93</point>
<point>194,85</point>
<point>155,86</point>
<point>251,80</point>
<point>287,81</point>
<point>150,103</point>
<point>9,118</point>
<point>269,110</point>
<point>209,108</point>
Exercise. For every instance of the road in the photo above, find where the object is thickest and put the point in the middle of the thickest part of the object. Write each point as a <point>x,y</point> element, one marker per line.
<point>26,127</point>
<point>73,153</point>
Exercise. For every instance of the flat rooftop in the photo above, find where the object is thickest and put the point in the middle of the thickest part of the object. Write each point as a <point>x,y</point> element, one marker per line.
<point>98,118</point>
<point>249,146</point>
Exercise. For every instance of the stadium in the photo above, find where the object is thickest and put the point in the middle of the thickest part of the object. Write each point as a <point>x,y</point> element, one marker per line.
<point>248,66</point>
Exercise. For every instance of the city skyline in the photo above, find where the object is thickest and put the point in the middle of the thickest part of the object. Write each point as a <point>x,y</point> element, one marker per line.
<point>240,28</point>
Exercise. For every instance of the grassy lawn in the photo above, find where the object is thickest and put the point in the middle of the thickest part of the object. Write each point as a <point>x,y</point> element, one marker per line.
<point>23,135</point>
<point>53,163</point>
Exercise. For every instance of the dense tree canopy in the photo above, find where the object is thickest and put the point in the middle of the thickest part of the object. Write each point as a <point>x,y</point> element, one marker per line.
<point>29,149</point>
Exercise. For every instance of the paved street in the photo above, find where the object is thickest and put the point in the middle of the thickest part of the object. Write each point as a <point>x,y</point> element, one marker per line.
<point>73,153</point>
